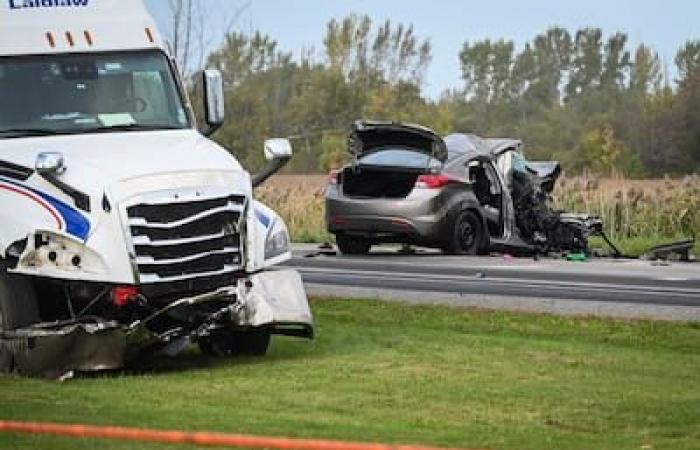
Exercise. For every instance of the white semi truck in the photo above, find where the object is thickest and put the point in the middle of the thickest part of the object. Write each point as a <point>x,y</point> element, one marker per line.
<point>124,231</point>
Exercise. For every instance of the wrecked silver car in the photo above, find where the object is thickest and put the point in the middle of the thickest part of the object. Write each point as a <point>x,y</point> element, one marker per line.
<point>462,193</point>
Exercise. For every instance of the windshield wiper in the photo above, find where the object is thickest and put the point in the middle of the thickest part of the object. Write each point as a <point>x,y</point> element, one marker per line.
<point>133,127</point>
<point>23,132</point>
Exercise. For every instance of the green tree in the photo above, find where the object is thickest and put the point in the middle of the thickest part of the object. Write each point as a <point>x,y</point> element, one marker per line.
<point>645,72</point>
<point>688,60</point>
<point>688,102</point>
<point>587,62</point>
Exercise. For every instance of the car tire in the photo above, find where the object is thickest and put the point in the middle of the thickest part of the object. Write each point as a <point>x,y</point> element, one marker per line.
<point>227,342</point>
<point>18,301</point>
<point>465,233</point>
<point>352,245</point>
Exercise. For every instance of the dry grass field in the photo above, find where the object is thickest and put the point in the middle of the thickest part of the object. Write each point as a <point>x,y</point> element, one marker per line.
<point>637,213</point>
<point>299,199</point>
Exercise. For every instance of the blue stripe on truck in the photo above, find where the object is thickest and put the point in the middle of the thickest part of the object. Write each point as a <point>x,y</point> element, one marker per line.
<point>76,224</point>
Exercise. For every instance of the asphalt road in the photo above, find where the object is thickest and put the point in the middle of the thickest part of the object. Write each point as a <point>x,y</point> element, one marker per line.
<point>605,287</point>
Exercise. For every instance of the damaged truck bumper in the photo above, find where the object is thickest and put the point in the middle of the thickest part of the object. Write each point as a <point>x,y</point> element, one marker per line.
<point>273,300</point>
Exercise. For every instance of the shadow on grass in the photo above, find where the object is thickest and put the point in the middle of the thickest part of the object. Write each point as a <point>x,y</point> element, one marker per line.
<point>281,350</point>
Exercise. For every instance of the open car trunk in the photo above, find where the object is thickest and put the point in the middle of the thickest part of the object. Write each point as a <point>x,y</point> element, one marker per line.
<point>389,157</point>
<point>379,183</point>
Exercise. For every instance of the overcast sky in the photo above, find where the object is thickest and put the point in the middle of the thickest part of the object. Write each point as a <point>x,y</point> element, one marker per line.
<point>300,24</point>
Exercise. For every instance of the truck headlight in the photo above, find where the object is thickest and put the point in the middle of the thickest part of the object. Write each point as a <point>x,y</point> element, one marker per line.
<point>277,241</point>
<point>55,251</point>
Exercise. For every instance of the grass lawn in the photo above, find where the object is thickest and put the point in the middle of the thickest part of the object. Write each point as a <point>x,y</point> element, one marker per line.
<point>406,374</point>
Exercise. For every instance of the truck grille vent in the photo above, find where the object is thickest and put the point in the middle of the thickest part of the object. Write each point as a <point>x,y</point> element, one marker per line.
<point>179,241</point>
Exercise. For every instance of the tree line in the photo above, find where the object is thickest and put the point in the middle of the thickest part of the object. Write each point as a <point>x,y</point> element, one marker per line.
<point>583,98</point>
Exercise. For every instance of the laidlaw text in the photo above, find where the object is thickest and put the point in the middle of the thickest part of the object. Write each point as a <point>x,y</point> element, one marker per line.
<point>22,4</point>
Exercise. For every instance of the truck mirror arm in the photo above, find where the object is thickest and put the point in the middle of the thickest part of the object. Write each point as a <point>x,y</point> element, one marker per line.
<point>270,169</point>
<point>81,199</point>
<point>211,129</point>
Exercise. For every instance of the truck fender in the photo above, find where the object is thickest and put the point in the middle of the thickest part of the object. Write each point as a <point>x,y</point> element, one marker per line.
<point>264,224</point>
<point>27,209</point>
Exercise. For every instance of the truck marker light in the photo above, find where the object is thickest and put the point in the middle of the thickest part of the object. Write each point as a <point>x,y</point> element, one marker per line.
<point>88,37</point>
<point>123,295</point>
<point>49,37</point>
<point>149,35</point>
<point>69,38</point>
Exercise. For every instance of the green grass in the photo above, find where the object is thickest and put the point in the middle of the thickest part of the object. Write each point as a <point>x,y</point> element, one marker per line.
<point>406,374</point>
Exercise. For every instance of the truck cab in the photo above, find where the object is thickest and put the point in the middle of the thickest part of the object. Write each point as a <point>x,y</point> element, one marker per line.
<point>125,230</point>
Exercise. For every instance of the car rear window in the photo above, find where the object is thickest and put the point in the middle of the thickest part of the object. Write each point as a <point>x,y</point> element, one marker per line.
<point>399,157</point>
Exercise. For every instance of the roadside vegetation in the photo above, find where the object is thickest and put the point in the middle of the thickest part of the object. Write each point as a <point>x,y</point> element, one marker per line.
<point>407,374</point>
<point>578,96</point>
<point>638,214</point>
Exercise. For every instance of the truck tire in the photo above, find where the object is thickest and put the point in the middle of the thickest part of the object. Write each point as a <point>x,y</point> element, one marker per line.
<point>464,234</point>
<point>227,342</point>
<point>352,245</point>
<point>18,308</point>
<point>18,301</point>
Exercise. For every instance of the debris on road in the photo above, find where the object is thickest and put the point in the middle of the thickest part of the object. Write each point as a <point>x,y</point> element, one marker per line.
<point>674,251</point>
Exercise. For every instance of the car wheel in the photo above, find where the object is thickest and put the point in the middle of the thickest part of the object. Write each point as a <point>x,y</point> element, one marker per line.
<point>352,245</point>
<point>465,235</point>
<point>18,301</point>
<point>227,342</point>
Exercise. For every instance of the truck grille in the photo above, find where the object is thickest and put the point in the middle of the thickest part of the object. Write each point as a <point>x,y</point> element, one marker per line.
<point>177,241</point>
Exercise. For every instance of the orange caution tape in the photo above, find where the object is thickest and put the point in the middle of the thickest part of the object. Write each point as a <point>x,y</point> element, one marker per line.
<point>182,437</point>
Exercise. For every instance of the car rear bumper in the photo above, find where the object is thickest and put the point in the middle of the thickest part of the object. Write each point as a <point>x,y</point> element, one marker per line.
<point>418,216</point>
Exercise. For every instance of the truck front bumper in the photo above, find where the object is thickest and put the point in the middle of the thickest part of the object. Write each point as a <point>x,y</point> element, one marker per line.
<point>274,300</point>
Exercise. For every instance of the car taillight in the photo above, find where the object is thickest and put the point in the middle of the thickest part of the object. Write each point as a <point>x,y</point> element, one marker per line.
<point>334,177</point>
<point>432,181</point>
<point>123,295</point>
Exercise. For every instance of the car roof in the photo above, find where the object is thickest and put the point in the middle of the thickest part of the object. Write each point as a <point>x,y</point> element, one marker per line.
<point>474,146</point>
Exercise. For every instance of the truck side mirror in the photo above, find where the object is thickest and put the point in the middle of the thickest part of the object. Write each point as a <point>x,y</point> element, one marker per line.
<point>214,108</point>
<point>278,149</point>
<point>278,152</point>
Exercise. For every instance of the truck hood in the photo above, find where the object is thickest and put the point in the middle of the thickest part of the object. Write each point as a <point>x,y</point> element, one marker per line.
<point>115,157</point>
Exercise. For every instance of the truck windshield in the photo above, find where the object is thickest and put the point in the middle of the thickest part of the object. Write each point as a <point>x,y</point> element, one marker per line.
<point>88,93</point>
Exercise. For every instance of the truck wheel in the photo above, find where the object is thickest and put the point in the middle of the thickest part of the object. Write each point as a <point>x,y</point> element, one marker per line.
<point>352,245</point>
<point>18,301</point>
<point>236,343</point>
<point>465,234</point>
<point>18,308</point>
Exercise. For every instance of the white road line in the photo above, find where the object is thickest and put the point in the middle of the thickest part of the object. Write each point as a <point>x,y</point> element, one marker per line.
<point>399,276</point>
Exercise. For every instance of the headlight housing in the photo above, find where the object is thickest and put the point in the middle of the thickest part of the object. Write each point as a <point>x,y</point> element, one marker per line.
<point>277,240</point>
<point>52,251</point>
